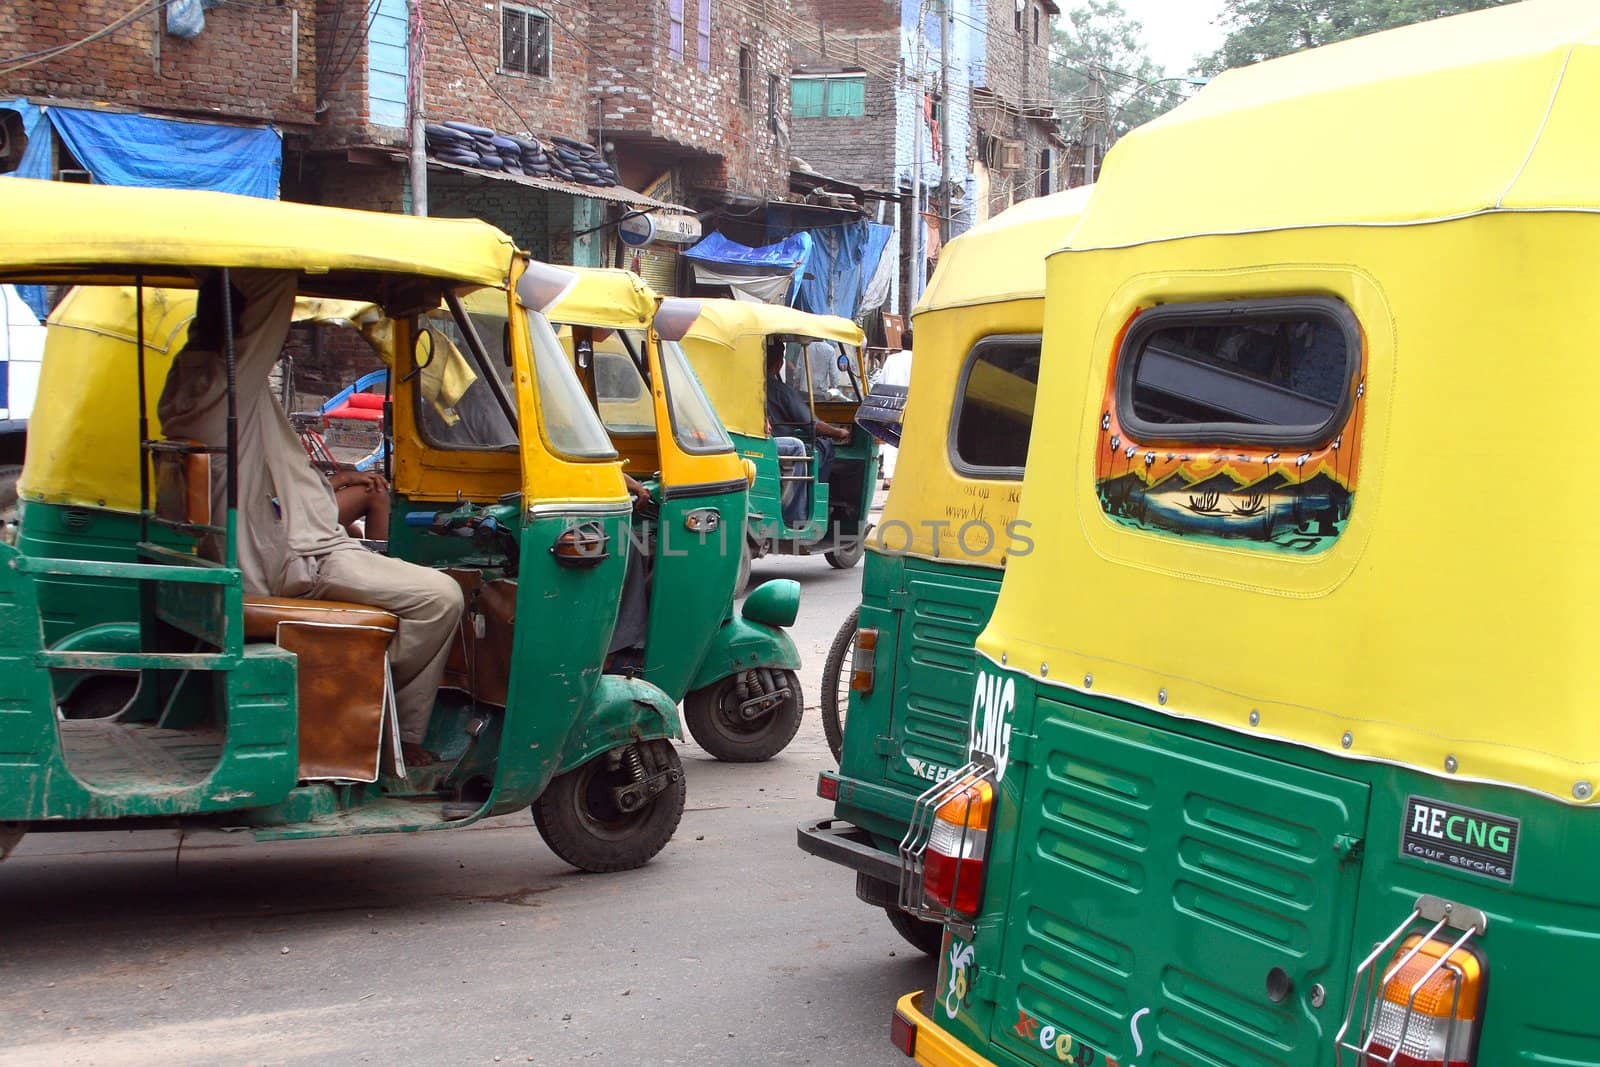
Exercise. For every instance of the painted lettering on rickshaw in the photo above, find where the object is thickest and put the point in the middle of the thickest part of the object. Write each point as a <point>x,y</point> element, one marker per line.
<point>958,990</point>
<point>992,702</point>
<point>1064,1046</point>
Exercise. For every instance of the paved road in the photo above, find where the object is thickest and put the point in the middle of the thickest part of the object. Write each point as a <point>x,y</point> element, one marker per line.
<point>476,946</point>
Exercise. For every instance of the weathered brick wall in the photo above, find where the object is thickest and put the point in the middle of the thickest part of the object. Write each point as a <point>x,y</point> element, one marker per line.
<point>250,62</point>
<point>341,75</point>
<point>522,212</point>
<point>455,89</point>
<point>645,93</point>
<point>858,149</point>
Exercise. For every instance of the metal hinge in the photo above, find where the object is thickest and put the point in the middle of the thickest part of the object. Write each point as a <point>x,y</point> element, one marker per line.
<point>884,745</point>
<point>1020,748</point>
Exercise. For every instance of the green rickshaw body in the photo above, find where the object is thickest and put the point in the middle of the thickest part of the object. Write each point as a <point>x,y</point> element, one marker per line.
<point>134,697</point>
<point>1269,766</point>
<point>727,345</point>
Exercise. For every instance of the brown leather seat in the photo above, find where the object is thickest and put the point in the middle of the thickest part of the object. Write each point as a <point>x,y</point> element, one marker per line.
<point>262,614</point>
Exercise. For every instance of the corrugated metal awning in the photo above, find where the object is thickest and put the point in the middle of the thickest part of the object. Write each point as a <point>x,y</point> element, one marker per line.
<point>615,193</point>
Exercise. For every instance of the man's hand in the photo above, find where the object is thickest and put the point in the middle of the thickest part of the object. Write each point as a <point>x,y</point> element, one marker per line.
<point>641,495</point>
<point>827,429</point>
<point>370,481</point>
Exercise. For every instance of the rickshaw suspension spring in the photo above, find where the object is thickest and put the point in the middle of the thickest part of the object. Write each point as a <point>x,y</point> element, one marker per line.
<point>635,762</point>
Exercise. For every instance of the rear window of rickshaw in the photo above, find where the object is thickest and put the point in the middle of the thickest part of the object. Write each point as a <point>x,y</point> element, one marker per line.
<point>993,417</point>
<point>458,408</point>
<point>1271,372</point>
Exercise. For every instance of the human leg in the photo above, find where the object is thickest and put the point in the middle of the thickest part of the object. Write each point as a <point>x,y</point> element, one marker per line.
<point>429,605</point>
<point>357,502</point>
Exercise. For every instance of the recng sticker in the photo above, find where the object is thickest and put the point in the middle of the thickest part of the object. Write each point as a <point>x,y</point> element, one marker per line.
<point>1449,835</point>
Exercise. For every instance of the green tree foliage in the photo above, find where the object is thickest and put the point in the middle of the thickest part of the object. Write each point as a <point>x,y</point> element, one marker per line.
<point>1101,68</point>
<point>1265,29</point>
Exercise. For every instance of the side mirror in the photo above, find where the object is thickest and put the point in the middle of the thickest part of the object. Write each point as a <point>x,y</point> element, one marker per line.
<point>13,139</point>
<point>422,351</point>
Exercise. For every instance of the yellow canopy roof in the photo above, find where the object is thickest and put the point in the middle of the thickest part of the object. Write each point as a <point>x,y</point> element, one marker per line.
<point>1488,111</point>
<point>61,229</point>
<point>1003,259</point>
<point>740,324</point>
<point>614,299</point>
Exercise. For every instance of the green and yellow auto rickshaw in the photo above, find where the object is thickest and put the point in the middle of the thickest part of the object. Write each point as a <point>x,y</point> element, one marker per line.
<point>275,715</point>
<point>734,671</point>
<point>816,496</point>
<point>904,662</point>
<point>1274,757</point>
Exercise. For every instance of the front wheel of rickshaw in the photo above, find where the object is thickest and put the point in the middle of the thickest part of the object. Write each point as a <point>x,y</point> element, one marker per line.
<point>748,717</point>
<point>848,554</point>
<point>836,683</point>
<point>928,937</point>
<point>583,819</point>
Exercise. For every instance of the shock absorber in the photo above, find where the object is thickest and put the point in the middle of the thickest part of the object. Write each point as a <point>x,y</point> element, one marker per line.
<point>635,762</point>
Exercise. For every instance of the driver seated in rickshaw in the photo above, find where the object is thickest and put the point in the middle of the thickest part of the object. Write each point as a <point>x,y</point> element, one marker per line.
<point>290,542</point>
<point>791,416</point>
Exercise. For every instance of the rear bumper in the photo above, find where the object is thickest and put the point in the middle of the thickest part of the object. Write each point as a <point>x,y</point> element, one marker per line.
<point>849,846</point>
<point>934,1047</point>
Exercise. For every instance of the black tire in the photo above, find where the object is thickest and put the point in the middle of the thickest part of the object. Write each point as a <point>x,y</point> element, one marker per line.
<point>836,683</point>
<point>8,493</point>
<point>927,937</point>
<point>580,822</point>
<point>848,554</point>
<point>100,697</point>
<point>714,722</point>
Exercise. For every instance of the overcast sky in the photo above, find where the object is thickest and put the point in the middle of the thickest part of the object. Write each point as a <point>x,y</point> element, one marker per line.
<point>1176,30</point>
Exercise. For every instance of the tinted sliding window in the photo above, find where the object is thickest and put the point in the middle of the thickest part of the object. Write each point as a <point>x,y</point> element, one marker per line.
<point>994,407</point>
<point>1268,371</point>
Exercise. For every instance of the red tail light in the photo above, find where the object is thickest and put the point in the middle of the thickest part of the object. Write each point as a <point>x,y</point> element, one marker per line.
<point>903,1034</point>
<point>1432,998</point>
<point>827,786</point>
<point>952,866</point>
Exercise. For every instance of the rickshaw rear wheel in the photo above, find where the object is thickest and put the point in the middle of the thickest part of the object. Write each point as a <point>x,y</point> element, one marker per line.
<point>846,555</point>
<point>836,683</point>
<point>579,818</point>
<point>718,724</point>
<point>927,937</point>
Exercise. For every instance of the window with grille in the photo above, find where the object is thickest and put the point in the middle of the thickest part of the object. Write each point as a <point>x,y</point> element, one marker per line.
<point>524,40</point>
<point>828,97</point>
<point>747,75</point>
<point>774,87</point>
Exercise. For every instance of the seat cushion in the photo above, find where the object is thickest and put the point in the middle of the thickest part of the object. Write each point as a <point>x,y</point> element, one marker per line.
<point>262,614</point>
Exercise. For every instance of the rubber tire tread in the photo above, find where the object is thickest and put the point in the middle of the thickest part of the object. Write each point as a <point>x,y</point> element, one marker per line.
<point>832,670</point>
<point>926,937</point>
<point>554,818</point>
<point>700,716</point>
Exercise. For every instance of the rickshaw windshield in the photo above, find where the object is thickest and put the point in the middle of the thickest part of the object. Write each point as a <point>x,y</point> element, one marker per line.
<point>621,392</point>
<point>694,422</point>
<point>570,425</point>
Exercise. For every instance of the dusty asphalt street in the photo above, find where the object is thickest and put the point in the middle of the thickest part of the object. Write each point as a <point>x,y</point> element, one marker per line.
<point>472,947</point>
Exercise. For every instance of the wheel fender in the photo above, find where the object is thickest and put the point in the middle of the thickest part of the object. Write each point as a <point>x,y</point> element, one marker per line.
<point>105,637</point>
<point>741,644</point>
<point>621,711</point>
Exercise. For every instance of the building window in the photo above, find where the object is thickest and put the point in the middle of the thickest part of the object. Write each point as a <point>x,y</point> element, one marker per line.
<point>1047,170</point>
<point>524,40</point>
<point>815,97</point>
<point>675,29</point>
<point>1035,25</point>
<point>774,87</point>
<point>703,33</point>
<point>1021,4</point>
<point>747,75</point>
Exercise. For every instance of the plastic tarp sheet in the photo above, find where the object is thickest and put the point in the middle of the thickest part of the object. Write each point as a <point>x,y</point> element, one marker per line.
<point>142,150</point>
<point>35,164</point>
<point>875,290</point>
<point>761,275</point>
<point>843,259</point>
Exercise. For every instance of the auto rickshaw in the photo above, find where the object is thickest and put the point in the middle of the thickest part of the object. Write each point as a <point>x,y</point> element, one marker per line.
<point>796,507</point>
<point>1275,758</point>
<point>235,721</point>
<point>734,672</point>
<point>940,547</point>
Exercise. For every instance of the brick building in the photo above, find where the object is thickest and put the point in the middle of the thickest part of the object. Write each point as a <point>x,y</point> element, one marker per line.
<point>1018,151</point>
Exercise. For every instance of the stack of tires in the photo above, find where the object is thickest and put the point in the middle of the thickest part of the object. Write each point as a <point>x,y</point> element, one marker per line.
<point>480,147</point>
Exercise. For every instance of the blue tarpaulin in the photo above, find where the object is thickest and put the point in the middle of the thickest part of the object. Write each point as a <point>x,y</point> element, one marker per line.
<point>786,255</point>
<point>121,149</point>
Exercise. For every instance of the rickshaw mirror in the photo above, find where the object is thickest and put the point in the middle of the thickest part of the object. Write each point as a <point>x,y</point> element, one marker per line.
<point>422,351</point>
<point>675,316</point>
<point>843,362</point>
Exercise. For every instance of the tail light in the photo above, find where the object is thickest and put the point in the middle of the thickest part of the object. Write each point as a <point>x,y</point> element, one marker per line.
<point>903,1034</point>
<point>958,843</point>
<point>1425,1006</point>
<point>1428,1013</point>
<point>583,545</point>
<point>827,786</point>
<point>864,661</point>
